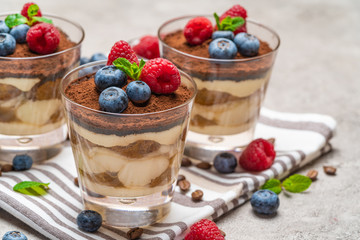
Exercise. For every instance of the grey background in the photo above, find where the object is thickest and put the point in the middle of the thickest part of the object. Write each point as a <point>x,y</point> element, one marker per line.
<point>317,70</point>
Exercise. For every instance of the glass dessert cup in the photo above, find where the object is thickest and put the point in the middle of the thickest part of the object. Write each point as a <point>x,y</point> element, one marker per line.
<point>31,116</point>
<point>230,92</point>
<point>127,163</point>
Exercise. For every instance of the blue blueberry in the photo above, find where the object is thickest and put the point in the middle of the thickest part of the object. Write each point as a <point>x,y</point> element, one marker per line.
<point>109,76</point>
<point>3,27</point>
<point>14,235</point>
<point>222,48</point>
<point>7,44</point>
<point>138,92</point>
<point>265,202</point>
<point>22,162</point>
<point>89,221</point>
<point>113,99</point>
<point>97,57</point>
<point>84,60</point>
<point>223,34</point>
<point>19,32</point>
<point>247,44</point>
<point>225,162</point>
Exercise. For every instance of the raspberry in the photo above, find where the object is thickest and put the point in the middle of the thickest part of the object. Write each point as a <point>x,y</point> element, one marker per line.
<point>258,155</point>
<point>204,230</point>
<point>148,47</point>
<point>25,8</point>
<point>198,30</point>
<point>161,75</point>
<point>236,11</point>
<point>43,38</point>
<point>122,49</point>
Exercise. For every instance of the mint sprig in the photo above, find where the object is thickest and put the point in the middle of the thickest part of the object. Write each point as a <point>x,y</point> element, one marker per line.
<point>32,188</point>
<point>132,70</point>
<point>295,183</point>
<point>17,19</point>
<point>228,23</point>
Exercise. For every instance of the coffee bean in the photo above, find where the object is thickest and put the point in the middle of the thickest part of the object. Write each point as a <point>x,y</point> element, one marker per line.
<point>197,195</point>
<point>184,185</point>
<point>134,233</point>
<point>185,162</point>
<point>6,168</point>
<point>329,170</point>
<point>180,178</point>
<point>312,174</point>
<point>203,165</point>
<point>76,182</point>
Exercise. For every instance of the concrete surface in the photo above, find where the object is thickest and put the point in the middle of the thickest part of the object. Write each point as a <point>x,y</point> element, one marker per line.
<point>316,70</point>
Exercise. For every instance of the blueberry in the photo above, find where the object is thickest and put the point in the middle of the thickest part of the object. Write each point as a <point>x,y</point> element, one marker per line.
<point>22,162</point>
<point>14,235</point>
<point>7,44</point>
<point>84,60</point>
<point>265,202</point>
<point>225,162</point>
<point>113,99</point>
<point>138,92</point>
<point>247,44</point>
<point>222,48</point>
<point>109,76</point>
<point>19,32</point>
<point>3,27</point>
<point>97,57</point>
<point>223,34</point>
<point>89,221</point>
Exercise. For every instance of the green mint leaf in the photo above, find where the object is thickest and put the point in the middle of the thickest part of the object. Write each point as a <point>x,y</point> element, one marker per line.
<point>297,183</point>
<point>31,188</point>
<point>132,70</point>
<point>217,19</point>
<point>273,185</point>
<point>41,19</point>
<point>15,19</point>
<point>230,23</point>
<point>33,10</point>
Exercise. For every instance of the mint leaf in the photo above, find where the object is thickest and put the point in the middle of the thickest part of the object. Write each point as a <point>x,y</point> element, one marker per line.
<point>132,70</point>
<point>15,19</point>
<point>228,23</point>
<point>217,19</point>
<point>41,19</point>
<point>297,183</point>
<point>33,10</point>
<point>273,185</point>
<point>31,188</point>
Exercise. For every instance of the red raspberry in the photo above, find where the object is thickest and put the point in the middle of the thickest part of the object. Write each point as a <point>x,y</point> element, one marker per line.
<point>43,38</point>
<point>25,8</point>
<point>236,11</point>
<point>258,155</point>
<point>161,75</point>
<point>148,47</point>
<point>204,230</point>
<point>122,49</point>
<point>198,30</point>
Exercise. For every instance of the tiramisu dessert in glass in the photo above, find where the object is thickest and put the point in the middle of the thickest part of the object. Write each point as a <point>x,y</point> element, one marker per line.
<point>230,58</point>
<point>128,122</point>
<point>35,53</point>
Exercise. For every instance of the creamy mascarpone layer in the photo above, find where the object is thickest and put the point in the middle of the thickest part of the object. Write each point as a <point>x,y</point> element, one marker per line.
<point>18,128</point>
<point>23,84</point>
<point>166,137</point>
<point>222,130</point>
<point>238,89</point>
<point>13,102</point>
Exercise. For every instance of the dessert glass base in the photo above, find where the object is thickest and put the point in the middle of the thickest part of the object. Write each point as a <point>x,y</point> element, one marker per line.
<point>127,163</point>
<point>32,120</point>
<point>230,91</point>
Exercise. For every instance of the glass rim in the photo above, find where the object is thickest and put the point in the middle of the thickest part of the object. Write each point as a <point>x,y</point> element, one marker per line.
<point>213,59</point>
<point>96,63</point>
<point>78,43</point>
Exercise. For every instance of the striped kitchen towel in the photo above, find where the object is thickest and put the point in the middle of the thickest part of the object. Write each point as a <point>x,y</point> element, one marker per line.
<point>300,138</point>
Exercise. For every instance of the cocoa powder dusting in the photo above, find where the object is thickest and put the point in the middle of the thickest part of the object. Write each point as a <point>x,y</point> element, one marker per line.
<point>83,91</point>
<point>178,41</point>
